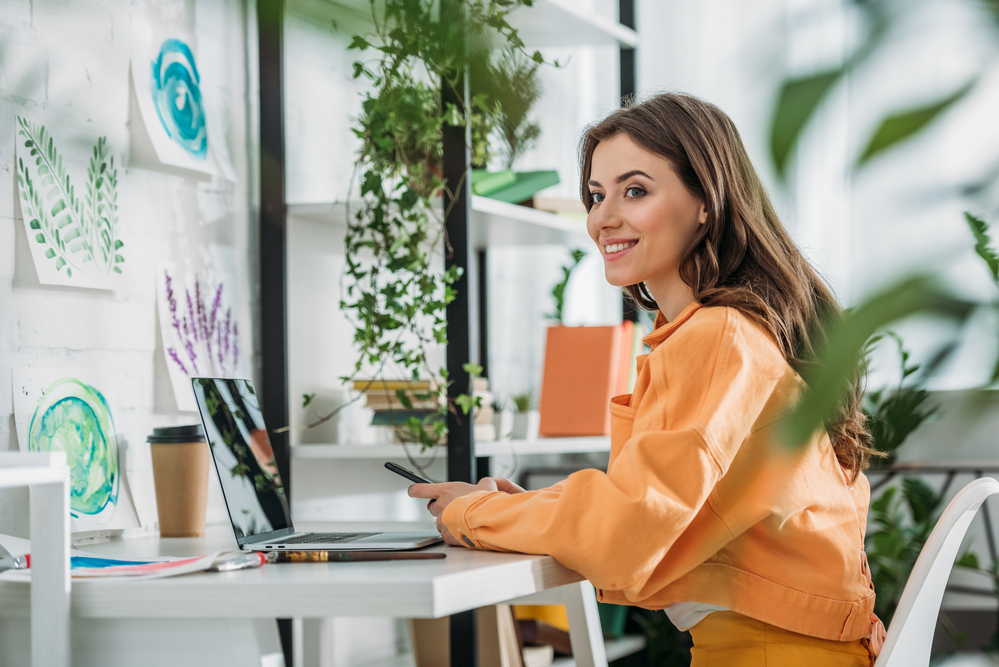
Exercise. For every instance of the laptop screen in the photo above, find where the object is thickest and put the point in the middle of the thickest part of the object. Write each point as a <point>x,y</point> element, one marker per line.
<point>234,426</point>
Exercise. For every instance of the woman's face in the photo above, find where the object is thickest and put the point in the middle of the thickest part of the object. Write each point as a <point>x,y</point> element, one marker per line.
<point>642,217</point>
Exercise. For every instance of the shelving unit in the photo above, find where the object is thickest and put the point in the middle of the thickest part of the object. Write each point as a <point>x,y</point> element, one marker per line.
<point>497,448</point>
<point>494,223</point>
<point>474,225</point>
<point>546,23</point>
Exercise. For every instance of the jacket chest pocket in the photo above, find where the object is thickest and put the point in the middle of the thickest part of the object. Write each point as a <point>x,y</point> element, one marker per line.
<point>622,423</point>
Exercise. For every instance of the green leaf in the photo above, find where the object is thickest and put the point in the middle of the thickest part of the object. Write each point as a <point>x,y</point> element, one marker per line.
<point>982,243</point>
<point>58,207</point>
<point>900,126</point>
<point>50,253</point>
<point>358,43</point>
<point>60,262</point>
<point>838,361</point>
<point>307,399</point>
<point>473,370</point>
<point>40,238</point>
<point>34,224</point>
<point>968,559</point>
<point>796,103</point>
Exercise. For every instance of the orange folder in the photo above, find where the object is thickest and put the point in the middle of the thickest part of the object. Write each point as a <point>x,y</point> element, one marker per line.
<point>584,368</point>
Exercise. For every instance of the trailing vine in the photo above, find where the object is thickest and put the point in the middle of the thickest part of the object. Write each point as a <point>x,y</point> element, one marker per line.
<point>394,288</point>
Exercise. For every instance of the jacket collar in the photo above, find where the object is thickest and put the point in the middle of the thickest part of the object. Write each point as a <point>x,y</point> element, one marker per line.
<point>665,329</point>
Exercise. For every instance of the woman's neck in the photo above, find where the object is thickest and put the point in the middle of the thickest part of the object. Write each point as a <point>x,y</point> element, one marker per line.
<point>672,295</point>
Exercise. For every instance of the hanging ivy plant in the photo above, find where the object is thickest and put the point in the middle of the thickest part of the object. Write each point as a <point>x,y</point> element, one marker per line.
<point>394,289</point>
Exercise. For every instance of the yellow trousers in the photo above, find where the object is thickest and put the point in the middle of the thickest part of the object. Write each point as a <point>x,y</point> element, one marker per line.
<point>728,639</point>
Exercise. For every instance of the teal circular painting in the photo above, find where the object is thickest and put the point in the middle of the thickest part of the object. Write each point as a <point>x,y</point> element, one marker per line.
<point>73,417</point>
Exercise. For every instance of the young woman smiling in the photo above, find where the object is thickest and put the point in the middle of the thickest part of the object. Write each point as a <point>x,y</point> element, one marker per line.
<point>756,548</point>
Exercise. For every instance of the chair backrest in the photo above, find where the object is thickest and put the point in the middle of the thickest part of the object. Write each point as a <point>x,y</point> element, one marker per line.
<point>910,635</point>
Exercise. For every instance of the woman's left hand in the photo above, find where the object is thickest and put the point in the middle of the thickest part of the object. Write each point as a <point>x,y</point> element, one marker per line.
<point>441,495</point>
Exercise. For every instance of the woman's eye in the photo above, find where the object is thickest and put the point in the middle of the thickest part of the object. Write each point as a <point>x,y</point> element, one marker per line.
<point>597,197</point>
<point>634,192</point>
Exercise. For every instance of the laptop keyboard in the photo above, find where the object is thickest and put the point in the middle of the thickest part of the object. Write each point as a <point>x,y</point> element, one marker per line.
<point>326,538</point>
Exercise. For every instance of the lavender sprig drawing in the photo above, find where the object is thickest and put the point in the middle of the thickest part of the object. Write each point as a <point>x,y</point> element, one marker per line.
<point>210,344</point>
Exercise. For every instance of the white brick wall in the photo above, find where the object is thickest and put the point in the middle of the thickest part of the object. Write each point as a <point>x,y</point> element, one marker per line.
<point>66,64</point>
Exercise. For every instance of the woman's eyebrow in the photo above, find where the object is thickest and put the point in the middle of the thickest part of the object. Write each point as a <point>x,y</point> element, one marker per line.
<point>622,178</point>
<point>633,172</point>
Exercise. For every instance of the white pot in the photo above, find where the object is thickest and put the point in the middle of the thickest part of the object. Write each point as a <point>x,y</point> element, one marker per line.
<point>526,424</point>
<point>503,422</point>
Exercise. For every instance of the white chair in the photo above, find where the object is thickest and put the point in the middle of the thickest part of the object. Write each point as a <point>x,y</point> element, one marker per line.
<point>910,635</point>
<point>47,477</point>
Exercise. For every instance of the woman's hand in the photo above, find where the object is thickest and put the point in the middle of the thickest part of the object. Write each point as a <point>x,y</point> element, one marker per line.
<point>442,494</point>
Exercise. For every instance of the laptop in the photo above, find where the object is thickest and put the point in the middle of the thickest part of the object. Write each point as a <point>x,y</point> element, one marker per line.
<point>252,488</point>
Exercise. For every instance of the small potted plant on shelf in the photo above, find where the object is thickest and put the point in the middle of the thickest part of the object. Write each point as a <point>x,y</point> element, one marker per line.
<point>502,419</point>
<point>525,419</point>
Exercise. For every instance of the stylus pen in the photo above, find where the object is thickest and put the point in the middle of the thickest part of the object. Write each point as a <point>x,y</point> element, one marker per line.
<point>350,556</point>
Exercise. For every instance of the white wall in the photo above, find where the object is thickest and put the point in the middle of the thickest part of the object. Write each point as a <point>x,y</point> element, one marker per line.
<point>66,64</point>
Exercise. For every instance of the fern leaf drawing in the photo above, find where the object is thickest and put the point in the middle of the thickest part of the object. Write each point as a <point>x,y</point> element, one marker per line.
<point>81,234</point>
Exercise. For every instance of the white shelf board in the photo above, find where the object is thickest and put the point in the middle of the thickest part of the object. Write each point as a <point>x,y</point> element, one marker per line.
<point>494,223</point>
<point>562,23</point>
<point>547,23</point>
<point>497,448</point>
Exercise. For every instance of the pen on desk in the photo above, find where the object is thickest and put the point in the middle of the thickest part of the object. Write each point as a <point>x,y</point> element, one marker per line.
<point>239,561</point>
<point>350,556</point>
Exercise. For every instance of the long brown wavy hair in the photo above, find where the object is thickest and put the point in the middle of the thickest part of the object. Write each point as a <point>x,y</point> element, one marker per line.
<point>742,256</point>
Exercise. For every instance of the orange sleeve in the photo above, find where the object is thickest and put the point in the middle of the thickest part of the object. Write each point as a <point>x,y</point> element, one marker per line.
<point>709,385</point>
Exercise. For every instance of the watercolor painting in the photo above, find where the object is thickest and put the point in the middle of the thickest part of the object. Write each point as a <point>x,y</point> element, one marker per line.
<point>180,122</point>
<point>201,337</point>
<point>177,98</point>
<point>74,240</point>
<point>59,412</point>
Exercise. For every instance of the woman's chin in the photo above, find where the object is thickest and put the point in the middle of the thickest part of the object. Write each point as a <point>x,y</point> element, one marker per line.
<point>617,280</point>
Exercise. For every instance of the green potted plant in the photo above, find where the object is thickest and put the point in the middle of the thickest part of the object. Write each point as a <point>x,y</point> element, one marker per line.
<point>392,289</point>
<point>525,418</point>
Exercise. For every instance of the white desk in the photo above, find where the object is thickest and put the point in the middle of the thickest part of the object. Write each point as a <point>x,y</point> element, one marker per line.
<point>465,580</point>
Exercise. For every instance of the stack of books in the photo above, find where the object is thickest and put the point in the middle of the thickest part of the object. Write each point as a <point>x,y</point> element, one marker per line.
<point>382,397</point>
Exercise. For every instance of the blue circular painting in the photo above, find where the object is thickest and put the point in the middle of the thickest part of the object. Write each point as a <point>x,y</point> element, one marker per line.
<point>177,97</point>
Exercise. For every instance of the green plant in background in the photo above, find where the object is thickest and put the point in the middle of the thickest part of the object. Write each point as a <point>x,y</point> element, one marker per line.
<point>798,102</point>
<point>510,79</point>
<point>524,401</point>
<point>559,290</point>
<point>391,290</point>
<point>894,413</point>
<point>81,235</point>
<point>901,521</point>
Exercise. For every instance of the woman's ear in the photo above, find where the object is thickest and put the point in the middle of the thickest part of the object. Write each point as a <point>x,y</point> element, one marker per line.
<point>703,217</point>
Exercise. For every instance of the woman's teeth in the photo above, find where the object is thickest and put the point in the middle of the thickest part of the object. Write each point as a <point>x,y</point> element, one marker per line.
<point>618,247</point>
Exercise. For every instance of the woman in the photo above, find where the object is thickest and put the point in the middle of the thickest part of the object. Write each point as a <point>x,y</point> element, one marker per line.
<point>754,547</point>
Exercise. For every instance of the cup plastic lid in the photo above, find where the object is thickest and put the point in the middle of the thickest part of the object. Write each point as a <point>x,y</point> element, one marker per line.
<point>175,434</point>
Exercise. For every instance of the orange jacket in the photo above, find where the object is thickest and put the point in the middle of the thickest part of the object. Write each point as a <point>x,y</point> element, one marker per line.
<point>699,502</point>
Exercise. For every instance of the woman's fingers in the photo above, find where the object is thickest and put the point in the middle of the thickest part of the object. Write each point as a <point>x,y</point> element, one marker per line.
<point>505,485</point>
<point>425,490</point>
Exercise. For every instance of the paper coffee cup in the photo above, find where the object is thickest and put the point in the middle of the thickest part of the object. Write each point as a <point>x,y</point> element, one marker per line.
<point>180,473</point>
